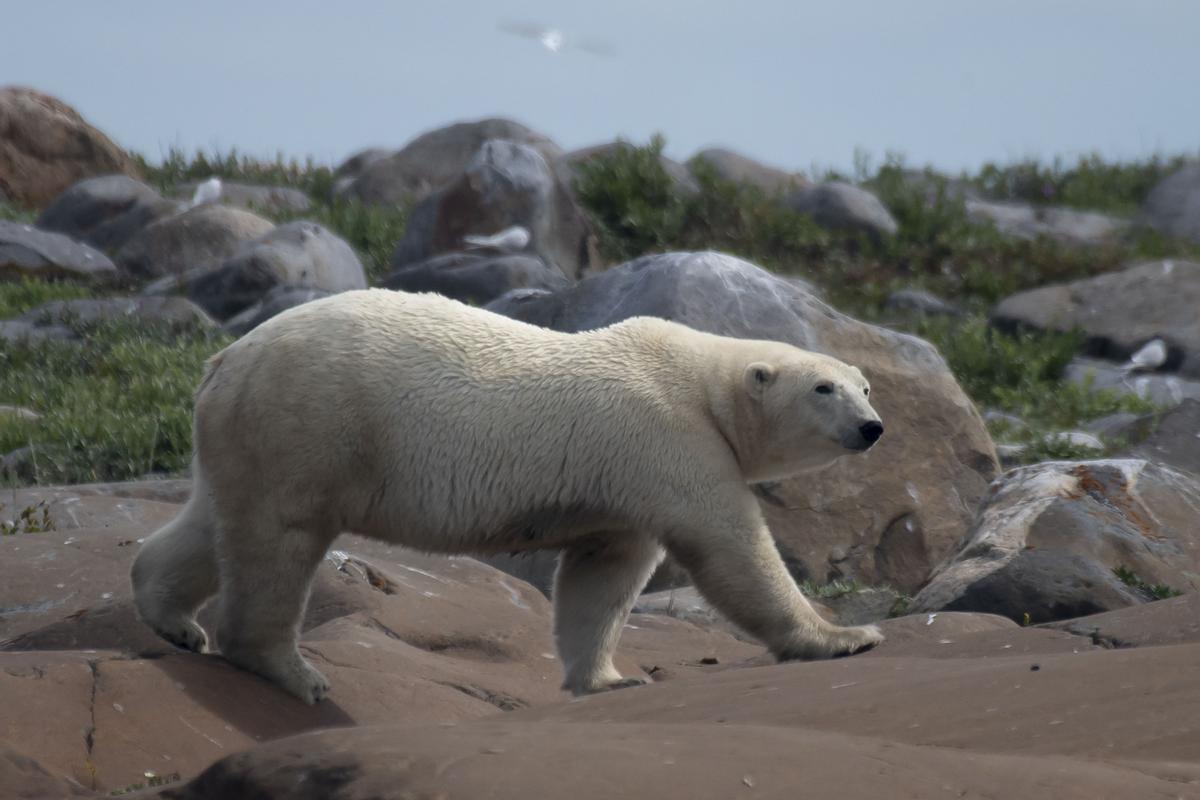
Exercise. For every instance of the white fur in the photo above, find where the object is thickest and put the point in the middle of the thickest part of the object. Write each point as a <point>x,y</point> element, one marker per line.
<point>421,421</point>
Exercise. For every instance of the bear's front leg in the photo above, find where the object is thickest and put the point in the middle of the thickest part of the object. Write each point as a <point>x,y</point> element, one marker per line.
<point>732,559</point>
<point>597,582</point>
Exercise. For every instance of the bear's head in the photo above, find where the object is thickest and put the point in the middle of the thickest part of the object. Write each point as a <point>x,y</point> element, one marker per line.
<point>801,411</point>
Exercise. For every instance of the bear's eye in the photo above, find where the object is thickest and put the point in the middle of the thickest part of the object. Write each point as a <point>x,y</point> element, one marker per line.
<point>823,388</point>
<point>867,390</point>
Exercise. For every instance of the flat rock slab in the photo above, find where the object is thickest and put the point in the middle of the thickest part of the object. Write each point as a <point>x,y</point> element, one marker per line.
<point>583,760</point>
<point>1172,621</point>
<point>27,252</point>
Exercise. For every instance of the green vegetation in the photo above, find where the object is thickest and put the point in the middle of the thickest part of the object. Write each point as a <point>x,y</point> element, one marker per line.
<point>20,296</point>
<point>11,213</point>
<point>1155,591</point>
<point>114,407</point>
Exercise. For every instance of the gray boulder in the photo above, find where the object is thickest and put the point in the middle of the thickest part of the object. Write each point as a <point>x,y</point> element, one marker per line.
<point>175,312</point>
<point>476,278</point>
<point>842,206</point>
<point>1173,206</point>
<point>1066,225</point>
<point>349,170</point>
<point>1161,388</point>
<point>738,168</point>
<point>1174,441</point>
<point>300,254</point>
<point>886,517</point>
<point>1050,538</point>
<point>430,161</point>
<point>252,196</point>
<point>107,211</point>
<point>506,184</point>
<point>1120,311</point>
<point>200,238</point>
<point>276,301</point>
<point>26,252</point>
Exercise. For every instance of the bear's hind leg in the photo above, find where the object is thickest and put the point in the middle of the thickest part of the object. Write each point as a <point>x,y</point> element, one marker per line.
<point>175,572</point>
<point>266,573</point>
<point>597,582</point>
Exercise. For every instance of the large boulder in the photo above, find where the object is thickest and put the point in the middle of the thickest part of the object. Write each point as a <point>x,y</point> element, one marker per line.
<point>173,312</point>
<point>27,252</point>
<point>1067,225</point>
<point>1175,438</point>
<point>1160,388</point>
<point>45,146</point>
<point>505,184</point>
<point>476,277</point>
<point>738,168</point>
<point>1173,206</point>
<point>91,694</point>
<point>1065,539</point>
<point>196,240</point>
<point>843,206</point>
<point>106,211</point>
<point>886,517</point>
<point>430,161</point>
<point>348,171</point>
<point>299,255</point>
<point>1120,311</point>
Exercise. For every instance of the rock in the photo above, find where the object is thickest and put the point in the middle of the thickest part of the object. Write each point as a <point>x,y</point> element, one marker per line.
<point>94,695</point>
<point>736,167</point>
<point>1008,421</point>
<point>1175,620</point>
<point>12,330</point>
<point>1159,388</point>
<point>198,239</point>
<point>432,161</point>
<point>568,167</point>
<point>26,252</point>
<point>1120,312</point>
<point>1175,441</point>
<point>349,170</point>
<point>46,146</point>
<point>107,211</point>
<point>685,603</point>
<point>505,184</point>
<point>842,206</point>
<point>1173,206</point>
<point>476,278</point>
<point>1120,425</point>
<point>253,197</point>
<point>1065,225</point>
<point>918,301</point>
<point>175,312</point>
<point>937,188</point>
<point>895,512</point>
<point>864,604</point>
<point>276,301</point>
<point>1048,538</point>
<point>20,466</point>
<point>299,255</point>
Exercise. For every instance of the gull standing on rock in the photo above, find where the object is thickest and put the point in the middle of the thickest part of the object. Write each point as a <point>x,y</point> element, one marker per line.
<point>509,240</point>
<point>207,192</point>
<point>1149,357</point>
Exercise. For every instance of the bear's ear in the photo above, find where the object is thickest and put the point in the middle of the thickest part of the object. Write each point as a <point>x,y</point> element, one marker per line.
<point>758,377</point>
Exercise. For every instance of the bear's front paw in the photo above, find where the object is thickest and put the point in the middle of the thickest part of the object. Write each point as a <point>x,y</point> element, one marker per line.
<point>848,641</point>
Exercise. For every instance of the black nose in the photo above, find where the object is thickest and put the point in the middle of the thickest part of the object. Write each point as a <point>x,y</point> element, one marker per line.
<point>871,431</point>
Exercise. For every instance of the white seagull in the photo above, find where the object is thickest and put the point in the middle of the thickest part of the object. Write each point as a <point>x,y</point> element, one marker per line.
<point>555,40</point>
<point>207,192</point>
<point>1149,357</point>
<point>509,240</point>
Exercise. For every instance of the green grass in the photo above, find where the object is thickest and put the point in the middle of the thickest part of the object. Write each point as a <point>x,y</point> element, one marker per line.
<point>17,297</point>
<point>12,213</point>
<point>114,408</point>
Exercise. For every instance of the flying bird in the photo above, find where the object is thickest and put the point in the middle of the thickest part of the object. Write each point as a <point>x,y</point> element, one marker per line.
<point>509,240</point>
<point>555,40</point>
<point>207,192</point>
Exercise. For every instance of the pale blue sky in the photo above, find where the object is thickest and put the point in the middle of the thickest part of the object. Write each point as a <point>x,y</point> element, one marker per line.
<point>792,82</point>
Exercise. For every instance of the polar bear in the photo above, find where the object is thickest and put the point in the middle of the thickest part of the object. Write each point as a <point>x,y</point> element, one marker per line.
<point>424,422</point>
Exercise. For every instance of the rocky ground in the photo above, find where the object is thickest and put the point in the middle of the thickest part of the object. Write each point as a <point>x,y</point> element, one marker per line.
<point>1042,621</point>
